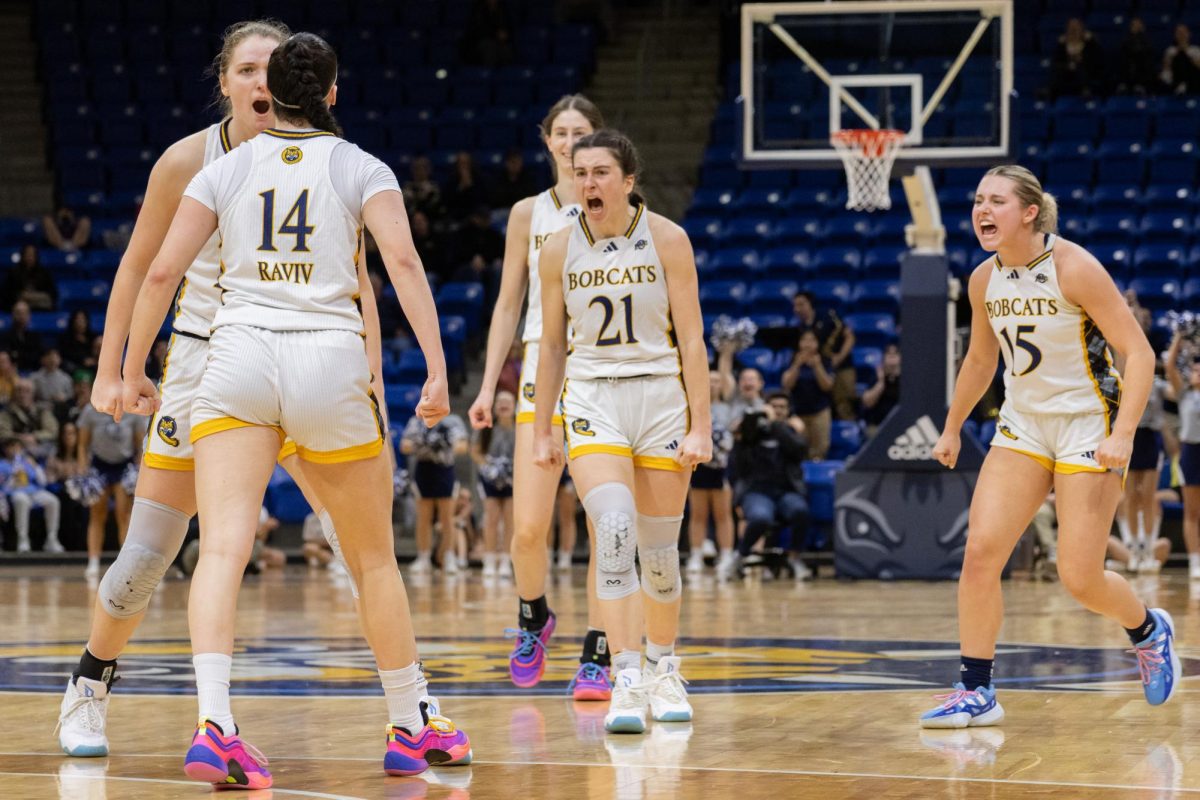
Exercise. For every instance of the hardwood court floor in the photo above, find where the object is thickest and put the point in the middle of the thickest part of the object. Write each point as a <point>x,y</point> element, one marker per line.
<point>808,691</point>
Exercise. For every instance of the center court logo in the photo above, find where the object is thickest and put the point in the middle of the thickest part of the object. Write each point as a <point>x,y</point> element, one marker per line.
<point>916,443</point>
<point>344,667</point>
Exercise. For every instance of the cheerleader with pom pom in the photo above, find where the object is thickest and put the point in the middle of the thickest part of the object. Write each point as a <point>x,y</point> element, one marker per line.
<point>110,447</point>
<point>431,453</point>
<point>493,454</point>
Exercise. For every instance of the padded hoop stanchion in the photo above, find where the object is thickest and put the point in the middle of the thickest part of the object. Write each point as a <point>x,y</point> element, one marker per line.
<point>868,156</point>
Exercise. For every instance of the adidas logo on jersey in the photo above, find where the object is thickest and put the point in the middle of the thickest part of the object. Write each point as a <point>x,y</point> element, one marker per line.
<point>573,213</point>
<point>915,444</point>
<point>1014,275</point>
<point>611,248</point>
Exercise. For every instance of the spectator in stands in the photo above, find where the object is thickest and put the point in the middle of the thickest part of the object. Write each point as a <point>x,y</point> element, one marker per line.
<point>488,38</point>
<point>1078,64</point>
<point>770,479</point>
<point>1136,70</point>
<point>1181,63</point>
<point>33,424</point>
<point>24,344</point>
<point>836,342</point>
<point>393,325</point>
<point>24,482</point>
<point>429,247</point>
<point>75,343</point>
<point>478,248</point>
<point>83,396</point>
<point>749,387</point>
<point>515,182</point>
<point>65,231</point>
<point>431,454</point>
<point>809,380</point>
<point>8,377</point>
<point>882,397</point>
<point>421,192</point>
<point>109,447</point>
<point>464,192</point>
<point>31,282</point>
<point>63,465</point>
<point>51,386</point>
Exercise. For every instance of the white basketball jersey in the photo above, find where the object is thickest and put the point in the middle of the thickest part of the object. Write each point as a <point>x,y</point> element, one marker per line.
<point>549,216</point>
<point>618,313</point>
<point>289,246</point>
<point>198,296</point>
<point>1056,359</point>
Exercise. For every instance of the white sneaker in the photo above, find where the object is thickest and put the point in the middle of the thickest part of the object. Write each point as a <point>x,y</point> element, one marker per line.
<point>1194,571</point>
<point>93,569</point>
<point>450,564</point>
<point>708,549</point>
<point>53,546</point>
<point>489,565</point>
<point>1149,566</point>
<point>505,568</point>
<point>800,570</point>
<point>23,546</point>
<point>627,709</point>
<point>668,698</point>
<point>81,718</point>
<point>727,567</point>
<point>564,561</point>
<point>421,565</point>
<point>695,563</point>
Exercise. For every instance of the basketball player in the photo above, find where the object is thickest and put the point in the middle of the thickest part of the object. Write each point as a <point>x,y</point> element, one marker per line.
<point>635,410</point>
<point>1052,309</point>
<point>1187,394</point>
<point>165,496</point>
<point>286,354</point>
<point>534,490</point>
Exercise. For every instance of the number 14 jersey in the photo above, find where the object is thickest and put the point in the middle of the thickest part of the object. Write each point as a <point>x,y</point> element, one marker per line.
<point>618,313</point>
<point>1056,359</point>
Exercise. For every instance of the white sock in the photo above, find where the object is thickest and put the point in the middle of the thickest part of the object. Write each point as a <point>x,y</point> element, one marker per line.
<point>656,652</point>
<point>1141,528</point>
<point>1123,527</point>
<point>94,561</point>
<point>1193,559</point>
<point>627,659</point>
<point>403,689</point>
<point>422,681</point>
<point>212,688</point>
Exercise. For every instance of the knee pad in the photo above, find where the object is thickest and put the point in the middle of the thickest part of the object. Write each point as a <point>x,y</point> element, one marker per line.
<point>156,532</point>
<point>658,550</point>
<point>611,509</point>
<point>336,547</point>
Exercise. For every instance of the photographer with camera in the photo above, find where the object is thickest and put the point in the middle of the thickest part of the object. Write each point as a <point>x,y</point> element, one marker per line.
<point>771,446</point>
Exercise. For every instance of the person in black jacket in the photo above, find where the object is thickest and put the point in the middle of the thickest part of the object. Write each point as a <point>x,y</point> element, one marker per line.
<point>770,488</point>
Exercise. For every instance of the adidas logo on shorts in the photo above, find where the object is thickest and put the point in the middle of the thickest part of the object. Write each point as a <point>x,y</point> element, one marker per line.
<point>915,444</point>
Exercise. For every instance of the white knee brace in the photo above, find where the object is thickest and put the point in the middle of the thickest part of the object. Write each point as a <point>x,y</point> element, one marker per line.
<point>658,550</point>
<point>611,509</point>
<point>156,532</point>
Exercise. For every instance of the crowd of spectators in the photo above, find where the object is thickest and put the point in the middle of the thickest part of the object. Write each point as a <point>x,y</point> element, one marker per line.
<point>1080,65</point>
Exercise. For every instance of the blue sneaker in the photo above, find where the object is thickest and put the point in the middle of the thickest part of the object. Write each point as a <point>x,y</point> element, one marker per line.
<point>1158,661</point>
<point>963,709</point>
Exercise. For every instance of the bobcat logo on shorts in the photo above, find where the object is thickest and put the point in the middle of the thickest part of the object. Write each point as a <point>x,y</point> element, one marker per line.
<point>167,430</point>
<point>582,427</point>
<point>292,155</point>
<point>1004,429</point>
<point>527,392</point>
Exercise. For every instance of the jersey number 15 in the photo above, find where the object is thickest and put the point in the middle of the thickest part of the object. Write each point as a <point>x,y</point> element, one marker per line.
<point>1021,343</point>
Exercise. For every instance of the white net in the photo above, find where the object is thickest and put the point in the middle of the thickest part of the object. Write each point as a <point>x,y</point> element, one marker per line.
<point>868,156</point>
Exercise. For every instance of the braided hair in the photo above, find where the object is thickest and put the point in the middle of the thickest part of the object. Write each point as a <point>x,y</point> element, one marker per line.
<point>300,74</point>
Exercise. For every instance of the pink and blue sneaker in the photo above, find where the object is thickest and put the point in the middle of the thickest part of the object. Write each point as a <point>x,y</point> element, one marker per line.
<point>527,662</point>
<point>963,709</point>
<point>453,747</point>
<point>1158,661</point>
<point>591,682</point>
<point>226,762</point>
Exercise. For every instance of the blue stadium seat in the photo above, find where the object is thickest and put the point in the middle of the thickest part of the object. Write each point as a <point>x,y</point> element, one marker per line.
<point>876,297</point>
<point>1132,125</point>
<point>1069,164</point>
<point>1116,258</point>
<point>88,295</point>
<point>818,479</point>
<point>772,297</point>
<point>1159,261</point>
<point>855,231</point>
<point>1156,293</point>
<point>1165,227</point>
<point>836,263</point>
<point>464,300</point>
<point>402,402</point>
<point>1168,197</point>
<point>760,358</point>
<point>48,322</point>
<point>454,335</point>
<point>1120,164</point>
<point>723,297</point>
<point>1189,293</point>
<point>1112,229</point>
<point>883,262</point>
<point>845,438</point>
<point>829,293</point>
<point>798,231</point>
<point>409,367</point>
<point>283,499</point>
<point>987,429</point>
<point>872,330</point>
<point>1172,163</point>
<point>1109,199</point>
<point>746,231</point>
<point>763,203</point>
<point>866,361</point>
<point>710,202</point>
<point>784,263</point>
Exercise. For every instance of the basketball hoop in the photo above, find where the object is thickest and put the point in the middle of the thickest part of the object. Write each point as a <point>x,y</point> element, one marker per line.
<point>868,156</point>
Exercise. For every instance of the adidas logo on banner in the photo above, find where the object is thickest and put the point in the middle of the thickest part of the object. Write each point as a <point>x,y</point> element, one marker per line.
<point>612,248</point>
<point>915,444</point>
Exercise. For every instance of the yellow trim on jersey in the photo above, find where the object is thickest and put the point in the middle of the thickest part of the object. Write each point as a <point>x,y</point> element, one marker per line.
<point>587,232</point>
<point>1044,461</point>
<point>637,216</point>
<point>657,462</point>
<point>289,449</point>
<point>1074,469</point>
<point>358,452</point>
<point>226,145</point>
<point>278,134</point>
<point>1031,264</point>
<point>527,416</point>
<point>594,449</point>
<point>1087,365</point>
<point>171,463</point>
<point>222,424</point>
<point>554,197</point>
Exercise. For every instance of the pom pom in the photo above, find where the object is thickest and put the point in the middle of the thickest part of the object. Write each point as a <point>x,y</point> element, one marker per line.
<point>129,479</point>
<point>400,483</point>
<point>737,332</point>
<point>497,471</point>
<point>85,489</point>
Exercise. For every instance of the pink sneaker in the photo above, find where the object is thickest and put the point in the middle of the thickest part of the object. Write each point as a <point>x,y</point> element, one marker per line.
<point>226,762</point>
<point>452,748</point>
<point>527,662</point>
<point>591,682</point>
